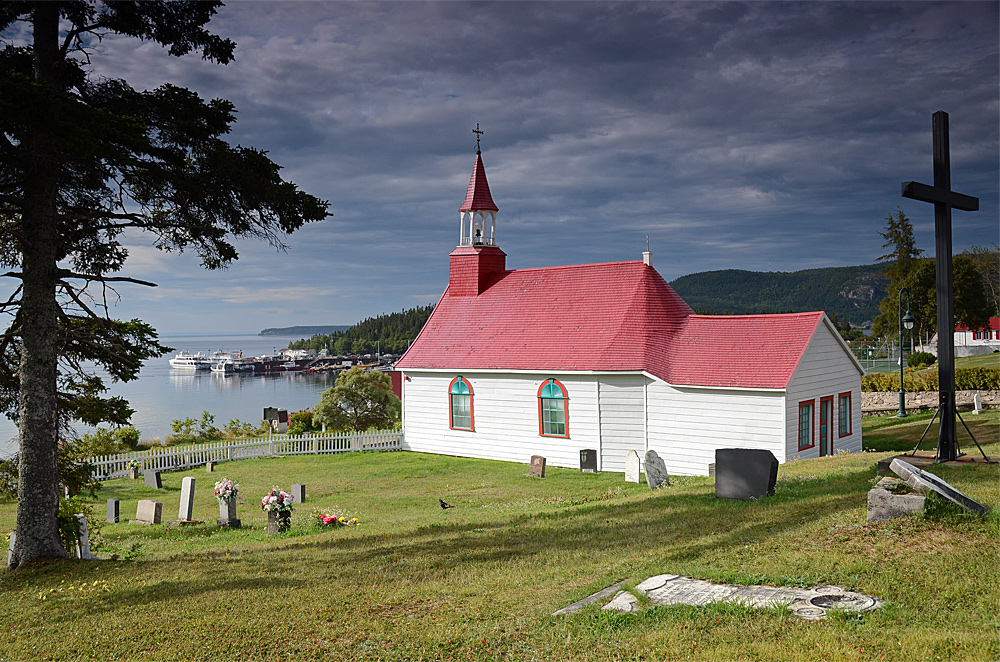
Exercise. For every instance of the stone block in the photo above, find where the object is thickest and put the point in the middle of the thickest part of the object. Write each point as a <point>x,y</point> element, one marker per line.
<point>884,505</point>
<point>299,493</point>
<point>209,467</point>
<point>744,473</point>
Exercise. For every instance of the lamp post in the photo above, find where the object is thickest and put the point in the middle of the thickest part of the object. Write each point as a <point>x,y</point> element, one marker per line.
<point>905,321</point>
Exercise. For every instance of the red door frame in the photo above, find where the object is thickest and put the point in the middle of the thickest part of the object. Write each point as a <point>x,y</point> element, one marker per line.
<point>826,426</point>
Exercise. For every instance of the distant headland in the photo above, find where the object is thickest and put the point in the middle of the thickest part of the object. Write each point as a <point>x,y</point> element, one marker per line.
<point>303,331</point>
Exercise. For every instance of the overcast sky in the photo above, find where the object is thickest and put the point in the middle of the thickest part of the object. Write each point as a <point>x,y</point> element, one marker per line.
<point>741,135</point>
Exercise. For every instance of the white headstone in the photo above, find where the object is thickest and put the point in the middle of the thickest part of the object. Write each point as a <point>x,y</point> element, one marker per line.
<point>632,467</point>
<point>187,499</point>
<point>10,552</point>
<point>977,402</point>
<point>83,544</point>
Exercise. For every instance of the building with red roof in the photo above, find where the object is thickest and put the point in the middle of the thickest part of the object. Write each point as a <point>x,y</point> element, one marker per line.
<point>553,360</point>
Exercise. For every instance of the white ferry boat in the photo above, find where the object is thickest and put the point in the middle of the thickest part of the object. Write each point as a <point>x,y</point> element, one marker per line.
<point>189,361</point>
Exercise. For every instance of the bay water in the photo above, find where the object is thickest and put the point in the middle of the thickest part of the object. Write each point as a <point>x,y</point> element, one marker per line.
<point>162,394</point>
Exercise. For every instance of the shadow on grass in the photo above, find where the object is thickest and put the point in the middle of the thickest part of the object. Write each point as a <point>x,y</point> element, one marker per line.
<point>680,528</point>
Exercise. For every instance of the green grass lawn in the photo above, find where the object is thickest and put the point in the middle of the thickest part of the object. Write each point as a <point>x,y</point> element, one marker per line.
<point>478,582</point>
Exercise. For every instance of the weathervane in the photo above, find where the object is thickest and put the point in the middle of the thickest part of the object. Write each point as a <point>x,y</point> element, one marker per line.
<point>479,134</point>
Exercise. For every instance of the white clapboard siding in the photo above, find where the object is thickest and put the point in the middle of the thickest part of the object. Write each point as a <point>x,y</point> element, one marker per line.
<point>825,370</point>
<point>687,425</point>
<point>623,418</point>
<point>505,411</point>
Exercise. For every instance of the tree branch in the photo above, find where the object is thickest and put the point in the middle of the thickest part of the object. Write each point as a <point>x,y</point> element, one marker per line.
<point>65,273</point>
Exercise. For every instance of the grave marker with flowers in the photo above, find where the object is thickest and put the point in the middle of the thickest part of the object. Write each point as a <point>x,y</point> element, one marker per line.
<point>328,521</point>
<point>227,492</point>
<point>278,506</point>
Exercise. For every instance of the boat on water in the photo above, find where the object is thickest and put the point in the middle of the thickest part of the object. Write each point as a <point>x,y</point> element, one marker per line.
<point>189,361</point>
<point>229,364</point>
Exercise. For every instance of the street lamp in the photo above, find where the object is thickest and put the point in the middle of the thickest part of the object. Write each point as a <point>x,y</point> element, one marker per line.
<point>905,321</point>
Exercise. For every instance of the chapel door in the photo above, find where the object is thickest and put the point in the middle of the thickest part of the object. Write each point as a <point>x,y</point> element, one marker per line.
<point>825,426</point>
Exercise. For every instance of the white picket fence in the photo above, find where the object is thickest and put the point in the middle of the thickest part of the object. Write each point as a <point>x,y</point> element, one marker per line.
<point>185,457</point>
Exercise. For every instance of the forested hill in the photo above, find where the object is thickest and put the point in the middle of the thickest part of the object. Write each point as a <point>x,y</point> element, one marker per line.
<point>392,333</point>
<point>851,292</point>
<point>299,331</point>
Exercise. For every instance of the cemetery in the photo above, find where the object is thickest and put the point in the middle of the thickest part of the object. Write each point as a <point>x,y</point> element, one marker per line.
<point>776,565</point>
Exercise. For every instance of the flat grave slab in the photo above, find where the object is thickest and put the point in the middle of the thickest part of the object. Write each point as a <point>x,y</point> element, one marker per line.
<point>808,604</point>
<point>924,482</point>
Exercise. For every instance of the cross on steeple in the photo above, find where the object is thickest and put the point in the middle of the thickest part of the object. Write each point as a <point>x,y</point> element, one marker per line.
<point>479,135</point>
<point>943,199</point>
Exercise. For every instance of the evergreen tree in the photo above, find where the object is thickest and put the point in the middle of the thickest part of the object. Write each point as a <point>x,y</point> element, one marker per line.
<point>83,160</point>
<point>898,235</point>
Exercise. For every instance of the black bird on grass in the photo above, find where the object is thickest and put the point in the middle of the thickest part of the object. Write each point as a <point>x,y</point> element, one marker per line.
<point>444,505</point>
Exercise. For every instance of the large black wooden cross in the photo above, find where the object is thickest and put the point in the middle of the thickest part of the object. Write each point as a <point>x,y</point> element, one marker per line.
<point>943,199</point>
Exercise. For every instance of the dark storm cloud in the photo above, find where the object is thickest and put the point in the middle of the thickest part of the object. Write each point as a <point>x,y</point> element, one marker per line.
<point>736,135</point>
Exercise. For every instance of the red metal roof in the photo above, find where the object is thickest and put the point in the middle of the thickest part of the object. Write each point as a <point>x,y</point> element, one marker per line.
<point>617,316</point>
<point>477,197</point>
<point>993,324</point>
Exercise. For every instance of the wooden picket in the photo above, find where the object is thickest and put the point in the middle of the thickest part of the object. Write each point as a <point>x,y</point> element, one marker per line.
<point>185,457</point>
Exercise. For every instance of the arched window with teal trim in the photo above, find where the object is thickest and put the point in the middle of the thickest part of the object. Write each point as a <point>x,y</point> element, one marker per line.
<point>460,396</point>
<point>553,409</point>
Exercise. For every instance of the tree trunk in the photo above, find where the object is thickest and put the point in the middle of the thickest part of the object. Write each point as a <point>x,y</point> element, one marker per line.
<point>38,479</point>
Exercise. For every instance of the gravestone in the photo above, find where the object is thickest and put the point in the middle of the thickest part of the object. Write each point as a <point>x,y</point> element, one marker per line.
<point>209,467</point>
<point>744,473</point>
<point>923,482</point>
<point>227,514</point>
<point>112,511</point>
<point>977,403</point>
<point>656,470</point>
<point>152,479</point>
<point>588,460</point>
<point>83,544</point>
<point>148,512</point>
<point>187,499</point>
<point>10,552</point>
<point>632,467</point>
<point>299,493</point>
<point>537,469</point>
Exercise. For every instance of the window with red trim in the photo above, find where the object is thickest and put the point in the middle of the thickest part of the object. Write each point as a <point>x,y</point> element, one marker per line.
<point>806,424</point>
<point>460,415</point>
<point>553,409</point>
<point>844,414</point>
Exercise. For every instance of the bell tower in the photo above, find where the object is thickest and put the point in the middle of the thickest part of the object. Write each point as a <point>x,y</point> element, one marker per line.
<point>477,258</point>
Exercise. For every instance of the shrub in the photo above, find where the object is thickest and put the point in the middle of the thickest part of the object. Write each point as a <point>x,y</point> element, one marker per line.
<point>300,422</point>
<point>920,359</point>
<point>977,379</point>
<point>189,430</point>
<point>966,379</point>
<point>69,525</point>
<point>104,441</point>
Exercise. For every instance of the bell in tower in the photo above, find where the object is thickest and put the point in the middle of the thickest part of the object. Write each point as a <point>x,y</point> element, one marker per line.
<point>478,212</point>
